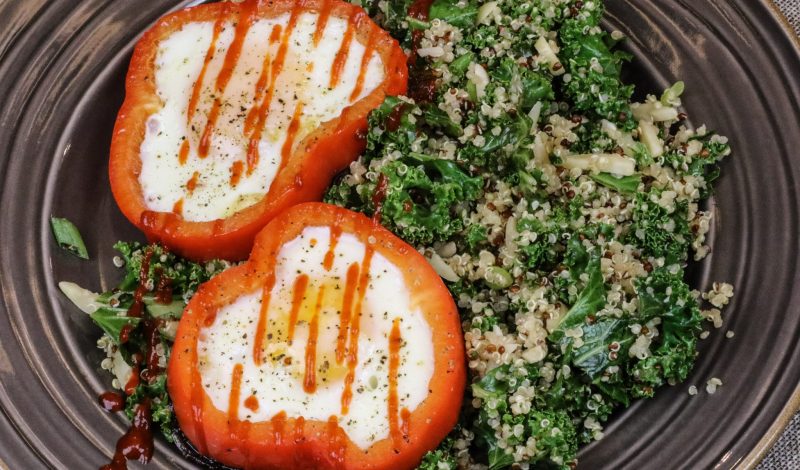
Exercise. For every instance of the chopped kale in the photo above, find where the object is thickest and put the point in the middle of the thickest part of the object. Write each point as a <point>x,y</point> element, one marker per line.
<point>659,231</point>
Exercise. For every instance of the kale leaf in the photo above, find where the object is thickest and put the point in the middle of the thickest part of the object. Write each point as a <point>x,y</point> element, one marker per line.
<point>454,12</point>
<point>113,320</point>
<point>624,184</point>
<point>593,356</point>
<point>591,299</point>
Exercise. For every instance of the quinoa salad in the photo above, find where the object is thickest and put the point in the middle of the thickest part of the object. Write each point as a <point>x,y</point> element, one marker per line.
<point>561,215</point>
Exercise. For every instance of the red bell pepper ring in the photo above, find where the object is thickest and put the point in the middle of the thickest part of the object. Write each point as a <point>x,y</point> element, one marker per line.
<point>303,175</point>
<point>294,441</point>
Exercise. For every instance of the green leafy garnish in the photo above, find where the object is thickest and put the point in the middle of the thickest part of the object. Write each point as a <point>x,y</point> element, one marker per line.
<point>589,302</point>
<point>491,385</point>
<point>593,356</point>
<point>113,320</point>
<point>672,94</point>
<point>622,184</point>
<point>68,237</point>
<point>172,310</point>
<point>454,12</point>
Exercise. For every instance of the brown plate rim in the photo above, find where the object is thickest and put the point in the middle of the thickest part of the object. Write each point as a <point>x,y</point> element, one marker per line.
<point>767,442</point>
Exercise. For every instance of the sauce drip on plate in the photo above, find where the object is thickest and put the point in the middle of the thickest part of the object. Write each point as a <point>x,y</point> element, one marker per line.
<point>137,443</point>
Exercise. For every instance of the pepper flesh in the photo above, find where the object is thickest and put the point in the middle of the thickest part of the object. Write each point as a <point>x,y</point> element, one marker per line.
<point>295,442</point>
<point>303,176</point>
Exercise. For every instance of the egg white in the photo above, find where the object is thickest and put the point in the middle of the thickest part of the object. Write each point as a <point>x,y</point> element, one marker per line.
<point>278,386</point>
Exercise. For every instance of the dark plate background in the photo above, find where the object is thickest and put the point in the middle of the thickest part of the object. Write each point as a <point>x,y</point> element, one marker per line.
<point>62,65</point>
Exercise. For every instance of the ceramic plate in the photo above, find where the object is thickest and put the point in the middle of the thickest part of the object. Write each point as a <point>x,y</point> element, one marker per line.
<point>62,65</point>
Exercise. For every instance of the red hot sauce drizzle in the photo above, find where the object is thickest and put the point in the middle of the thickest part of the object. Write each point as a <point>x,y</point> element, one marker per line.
<point>336,232</point>
<point>251,403</point>
<point>419,10</point>
<point>261,84</point>
<point>133,380</point>
<point>344,50</point>
<point>177,208</point>
<point>136,310</point>
<point>246,18</point>
<point>163,295</point>
<point>299,295</point>
<point>291,135</point>
<point>183,155</point>
<point>350,286</point>
<point>112,402</point>
<point>125,333</point>
<point>236,390</point>
<point>395,342</point>
<point>365,59</point>
<point>153,338</point>
<point>379,196</point>
<point>310,378</point>
<point>163,291</point>
<point>395,118</point>
<point>198,85</point>
<point>261,327</point>
<point>137,307</point>
<point>276,68</point>
<point>191,185</point>
<point>405,416</point>
<point>354,329</point>
<point>137,443</point>
<point>322,21</point>
<point>236,172</point>
<point>294,125</point>
<point>256,117</point>
<point>272,67</point>
<point>237,429</point>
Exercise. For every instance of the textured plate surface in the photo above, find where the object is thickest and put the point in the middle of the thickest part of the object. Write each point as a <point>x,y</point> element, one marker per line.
<point>62,65</point>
